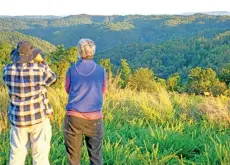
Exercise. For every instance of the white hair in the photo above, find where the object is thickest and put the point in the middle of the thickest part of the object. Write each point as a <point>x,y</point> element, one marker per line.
<point>86,48</point>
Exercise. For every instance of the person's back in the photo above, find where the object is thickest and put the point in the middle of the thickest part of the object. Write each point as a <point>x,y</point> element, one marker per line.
<point>29,108</point>
<point>87,80</point>
<point>86,84</point>
<point>28,95</point>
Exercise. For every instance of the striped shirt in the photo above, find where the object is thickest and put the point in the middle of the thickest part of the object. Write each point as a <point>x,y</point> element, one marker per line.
<point>27,83</point>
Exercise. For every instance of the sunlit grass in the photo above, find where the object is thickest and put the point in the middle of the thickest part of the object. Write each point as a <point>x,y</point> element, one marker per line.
<point>141,128</point>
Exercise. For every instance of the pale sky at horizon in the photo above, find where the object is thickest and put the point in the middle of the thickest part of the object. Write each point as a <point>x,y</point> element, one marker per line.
<point>110,7</point>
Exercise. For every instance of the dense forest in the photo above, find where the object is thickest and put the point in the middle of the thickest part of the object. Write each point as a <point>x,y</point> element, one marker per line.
<point>174,56</point>
<point>177,51</point>
<point>14,37</point>
<point>110,31</point>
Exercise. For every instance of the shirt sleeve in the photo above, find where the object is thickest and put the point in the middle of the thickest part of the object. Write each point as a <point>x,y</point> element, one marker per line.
<point>67,81</point>
<point>104,85</point>
<point>49,77</point>
<point>4,77</point>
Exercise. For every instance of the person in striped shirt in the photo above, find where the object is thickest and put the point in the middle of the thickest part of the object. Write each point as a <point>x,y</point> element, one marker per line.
<point>86,84</point>
<point>29,107</point>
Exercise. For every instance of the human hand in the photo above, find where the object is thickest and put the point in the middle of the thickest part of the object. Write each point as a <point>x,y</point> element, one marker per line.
<point>39,59</point>
<point>51,117</point>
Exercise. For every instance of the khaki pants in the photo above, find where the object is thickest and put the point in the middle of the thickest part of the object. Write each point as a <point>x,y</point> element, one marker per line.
<point>37,137</point>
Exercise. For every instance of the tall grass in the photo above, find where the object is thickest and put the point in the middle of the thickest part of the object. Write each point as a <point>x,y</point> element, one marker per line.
<point>141,128</point>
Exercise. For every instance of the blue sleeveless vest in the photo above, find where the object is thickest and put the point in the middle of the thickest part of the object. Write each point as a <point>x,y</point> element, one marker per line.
<point>86,81</point>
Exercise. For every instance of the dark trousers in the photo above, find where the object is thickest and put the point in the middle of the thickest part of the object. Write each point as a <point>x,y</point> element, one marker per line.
<point>74,129</point>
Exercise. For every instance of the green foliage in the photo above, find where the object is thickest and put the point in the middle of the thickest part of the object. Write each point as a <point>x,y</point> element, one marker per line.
<point>162,82</point>
<point>124,72</point>
<point>218,88</point>
<point>13,38</point>
<point>60,60</point>
<point>204,80</point>
<point>5,49</point>
<point>108,66</point>
<point>119,26</point>
<point>174,83</point>
<point>61,73</point>
<point>72,54</point>
<point>58,55</point>
<point>225,73</point>
<point>201,80</point>
<point>143,79</point>
<point>177,56</point>
<point>71,20</point>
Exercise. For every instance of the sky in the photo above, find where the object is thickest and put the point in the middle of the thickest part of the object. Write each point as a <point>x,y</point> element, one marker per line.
<point>110,7</point>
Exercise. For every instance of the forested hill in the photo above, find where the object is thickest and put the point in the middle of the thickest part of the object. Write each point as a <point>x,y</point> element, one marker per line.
<point>111,31</point>
<point>14,37</point>
<point>178,56</point>
<point>28,22</point>
<point>166,44</point>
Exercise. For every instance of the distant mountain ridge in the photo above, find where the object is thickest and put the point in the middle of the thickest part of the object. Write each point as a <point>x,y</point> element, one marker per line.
<point>113,30</point>
<point>32,16</point>
<point>110,31</point>
<point>115,15</point>
<point>209,13</point>
<point>112,22</point>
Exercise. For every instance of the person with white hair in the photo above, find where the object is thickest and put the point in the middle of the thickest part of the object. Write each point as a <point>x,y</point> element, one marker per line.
<point>86,85</point>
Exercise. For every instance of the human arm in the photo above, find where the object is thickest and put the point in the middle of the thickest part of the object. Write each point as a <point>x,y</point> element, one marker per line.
<point>104,85</point>
<point>67,81</point>
<point>49,77</point>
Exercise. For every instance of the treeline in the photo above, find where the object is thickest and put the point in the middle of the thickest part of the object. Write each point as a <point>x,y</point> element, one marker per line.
<point>201,81</point>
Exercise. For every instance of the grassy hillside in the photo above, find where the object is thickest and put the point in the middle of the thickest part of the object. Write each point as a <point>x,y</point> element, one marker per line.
<point>140,128</point>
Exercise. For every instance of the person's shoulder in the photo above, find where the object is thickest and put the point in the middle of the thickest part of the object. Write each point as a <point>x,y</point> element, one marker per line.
<point>71,67</point>
<point>42,66</point>
<point>100,67</point>
<point>9,66</point>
